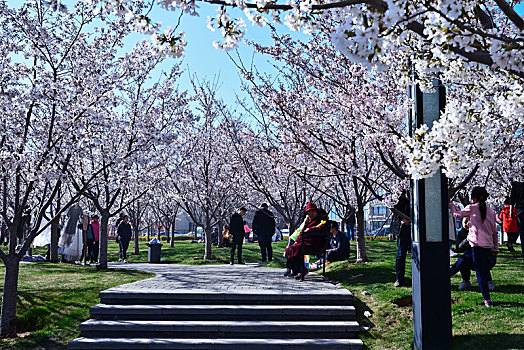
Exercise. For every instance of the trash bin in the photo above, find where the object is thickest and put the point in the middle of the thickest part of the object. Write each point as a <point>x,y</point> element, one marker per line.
<point>154,251</point>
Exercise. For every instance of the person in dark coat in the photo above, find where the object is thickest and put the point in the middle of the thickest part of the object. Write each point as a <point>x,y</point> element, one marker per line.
<point>517,201</point>
<point>312,235</point>
<point>400,227</point>
<point>350,224</point>
<point>264,228</point>
<point>339,244</point>
<point>237,232</point>
<point>124,236</point>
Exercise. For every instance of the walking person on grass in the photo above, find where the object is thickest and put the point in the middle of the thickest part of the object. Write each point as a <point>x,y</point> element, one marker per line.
<point>482,237</point>
<point>124,236</point>
<point>510,223</point>
<point>400,227</point>
<point>517,201</point>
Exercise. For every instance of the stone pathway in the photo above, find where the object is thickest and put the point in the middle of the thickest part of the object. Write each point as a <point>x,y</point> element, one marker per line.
<point>239,278</point>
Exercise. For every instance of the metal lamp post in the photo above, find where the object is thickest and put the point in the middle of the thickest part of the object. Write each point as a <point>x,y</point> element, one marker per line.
<point>430,236</point>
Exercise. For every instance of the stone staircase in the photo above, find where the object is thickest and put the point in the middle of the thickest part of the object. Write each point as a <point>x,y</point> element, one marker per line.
<point>199,319</point>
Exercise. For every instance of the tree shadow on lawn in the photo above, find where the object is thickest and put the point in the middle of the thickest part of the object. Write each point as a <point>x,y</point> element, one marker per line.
<point>499,341</point>
<point>369,274</point>
<point>37,340</point>
<point>509,289</point>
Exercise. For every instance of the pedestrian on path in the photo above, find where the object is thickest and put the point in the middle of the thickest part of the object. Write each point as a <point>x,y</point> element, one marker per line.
<point>124,236</point>
<point>482,236</point>
<point>236,232</point>
<point>264,228</point>
<point>400,227</point>
<point>510,223</point>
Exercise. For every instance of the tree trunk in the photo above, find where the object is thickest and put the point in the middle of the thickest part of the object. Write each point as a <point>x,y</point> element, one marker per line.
<point>148,232</point>
<point>53,246</point>
<point>292,229</point>
<point>103,241</point>
<point>361,239</point>
<point>9,297</point>
<point>207,253</point>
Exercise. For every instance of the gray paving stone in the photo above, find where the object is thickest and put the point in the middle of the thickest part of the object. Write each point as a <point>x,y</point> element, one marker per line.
<point>218,278</point>
<point>210,344</point>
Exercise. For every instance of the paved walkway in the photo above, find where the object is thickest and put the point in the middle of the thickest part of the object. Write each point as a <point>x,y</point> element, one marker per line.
<point>219,278</point>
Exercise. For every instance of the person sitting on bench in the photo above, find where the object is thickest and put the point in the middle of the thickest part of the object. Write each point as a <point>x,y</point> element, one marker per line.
<point>313,237</point>
<point>339,244</point>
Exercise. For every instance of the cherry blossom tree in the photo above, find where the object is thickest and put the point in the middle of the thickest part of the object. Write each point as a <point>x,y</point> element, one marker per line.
<point>51,83</point>
<point>481,33</point>
<point>132,138</point>
<point>264,157</point>
<point>204,174</point>
<point>345,121</point>
<point>477,41</point>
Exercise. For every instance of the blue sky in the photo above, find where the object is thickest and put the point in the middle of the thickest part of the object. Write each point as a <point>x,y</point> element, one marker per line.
<point>201,58</point>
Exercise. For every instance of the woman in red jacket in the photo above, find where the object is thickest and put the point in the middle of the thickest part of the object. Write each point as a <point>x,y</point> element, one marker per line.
<point>313,237</point>
<point>509,224</point>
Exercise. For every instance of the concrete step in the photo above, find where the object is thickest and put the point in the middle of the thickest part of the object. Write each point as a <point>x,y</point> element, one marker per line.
<point>219,329</point>
<point>212,344</point>
<point>222,297</point>
<point>223,312</point>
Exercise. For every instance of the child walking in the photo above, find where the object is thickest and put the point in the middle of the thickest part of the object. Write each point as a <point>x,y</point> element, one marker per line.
<point>482,236</point>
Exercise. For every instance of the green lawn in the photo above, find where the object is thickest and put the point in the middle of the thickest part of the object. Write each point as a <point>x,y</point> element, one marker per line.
<point>474,325</point>
<point>54,299</point>
<point>186,252</point>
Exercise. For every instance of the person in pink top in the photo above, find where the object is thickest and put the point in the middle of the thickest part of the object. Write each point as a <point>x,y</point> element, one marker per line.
<point>482,236</point>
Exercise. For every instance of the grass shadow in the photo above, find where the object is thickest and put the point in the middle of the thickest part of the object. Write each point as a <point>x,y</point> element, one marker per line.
<point>488,341</point>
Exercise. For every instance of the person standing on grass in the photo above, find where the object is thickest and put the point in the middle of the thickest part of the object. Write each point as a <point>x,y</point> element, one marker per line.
<point>464,263</point>
<point>517,201</point>
<point>264,228</point>
<point>400,227</point>
<point>95,225</point>
<point>482,236</point>
<point>90,243</point>
<point>124,236</point>
<point>350,224</point>
<point>237,232</point>
<point>510,223</point>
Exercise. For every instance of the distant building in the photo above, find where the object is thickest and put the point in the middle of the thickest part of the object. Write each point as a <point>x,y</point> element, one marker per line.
<point>376,215</point>
<point>184,224</point>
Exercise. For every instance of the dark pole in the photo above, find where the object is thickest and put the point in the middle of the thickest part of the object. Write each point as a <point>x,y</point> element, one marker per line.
<point>430,249</point>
